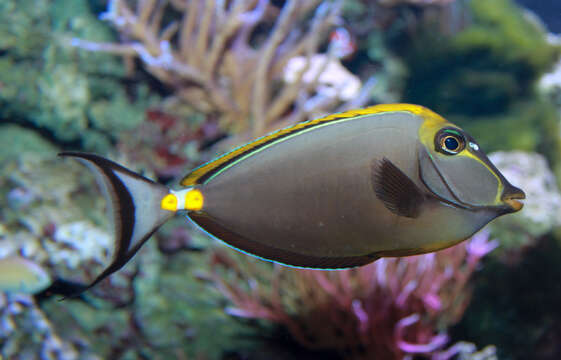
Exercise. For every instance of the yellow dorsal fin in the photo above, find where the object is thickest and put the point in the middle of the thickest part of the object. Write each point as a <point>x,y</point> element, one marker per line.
<point>204,172</point>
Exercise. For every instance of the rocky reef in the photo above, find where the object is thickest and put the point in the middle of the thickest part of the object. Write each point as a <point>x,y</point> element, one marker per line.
<point>70,95</point>
<point>542,208</point>
<point>164,86</point>
<point>45,217</point>
<point>211,57</point>
<point>27,333</point>
<point>484,76</point>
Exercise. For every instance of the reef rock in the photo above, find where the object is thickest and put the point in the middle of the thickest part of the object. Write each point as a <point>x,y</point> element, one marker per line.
<point>542,206</point>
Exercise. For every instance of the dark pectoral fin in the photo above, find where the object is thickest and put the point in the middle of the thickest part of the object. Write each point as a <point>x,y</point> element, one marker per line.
<point>396,190</point>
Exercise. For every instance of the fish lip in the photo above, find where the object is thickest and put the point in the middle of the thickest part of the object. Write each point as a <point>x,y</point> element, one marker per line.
<point>511,197</point>
<point>514,204</point>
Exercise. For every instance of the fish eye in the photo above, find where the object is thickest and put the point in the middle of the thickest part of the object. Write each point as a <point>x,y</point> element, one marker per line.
<point>450,142</point>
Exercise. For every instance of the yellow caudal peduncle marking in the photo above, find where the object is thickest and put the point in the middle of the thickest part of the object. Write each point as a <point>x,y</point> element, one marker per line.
<point>194,200</point>
<point>193,178</point>
<point>169,202</point>
<point>185,199</point>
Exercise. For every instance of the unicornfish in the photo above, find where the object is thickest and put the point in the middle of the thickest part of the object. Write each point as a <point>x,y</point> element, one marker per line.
<point>332,193</point>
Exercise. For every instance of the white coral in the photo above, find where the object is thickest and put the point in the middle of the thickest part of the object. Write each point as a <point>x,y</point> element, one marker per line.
<point>333,79</point>
<point>542,207</point>
<point>552,80</point>
<point>77,242</point>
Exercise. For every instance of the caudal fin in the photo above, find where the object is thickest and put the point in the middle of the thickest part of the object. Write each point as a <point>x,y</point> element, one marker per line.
<point>135,207</point>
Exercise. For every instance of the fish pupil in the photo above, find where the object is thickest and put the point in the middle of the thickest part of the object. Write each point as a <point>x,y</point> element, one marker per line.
<point>451,143</point>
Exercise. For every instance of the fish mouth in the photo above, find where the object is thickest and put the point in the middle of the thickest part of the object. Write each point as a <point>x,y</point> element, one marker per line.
<point>514,204</point>
<point>511,197</point>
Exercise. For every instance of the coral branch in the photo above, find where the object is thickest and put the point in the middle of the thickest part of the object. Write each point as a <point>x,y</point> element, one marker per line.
<point>208,53</point>
<point>391,308</point>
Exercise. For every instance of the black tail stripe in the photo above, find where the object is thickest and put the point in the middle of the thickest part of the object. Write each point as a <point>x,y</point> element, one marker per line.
<point>125,208</point>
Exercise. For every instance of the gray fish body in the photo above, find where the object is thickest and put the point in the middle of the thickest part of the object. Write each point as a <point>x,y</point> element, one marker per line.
<point>336,192</point>
<point>312,194</point>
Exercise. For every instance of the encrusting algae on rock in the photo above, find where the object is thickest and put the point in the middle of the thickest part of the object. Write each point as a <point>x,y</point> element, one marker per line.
<point>27,333</point>
<point>53,217</point>
<point>542,210</point>
<point>44,217</point>
<point>48,85</point>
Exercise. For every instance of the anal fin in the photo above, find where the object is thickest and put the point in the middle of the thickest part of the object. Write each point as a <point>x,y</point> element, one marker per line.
<point>281,256</point>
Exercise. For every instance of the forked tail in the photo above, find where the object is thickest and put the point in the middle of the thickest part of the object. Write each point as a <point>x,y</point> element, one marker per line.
<point>136,205</point>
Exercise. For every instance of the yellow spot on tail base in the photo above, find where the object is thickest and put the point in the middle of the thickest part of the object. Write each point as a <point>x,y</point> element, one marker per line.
<point>194,200</point>
<point>169,202</point>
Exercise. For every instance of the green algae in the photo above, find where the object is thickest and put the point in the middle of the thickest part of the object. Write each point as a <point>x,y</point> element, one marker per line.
<point>171,313</point>
<point>74,95</point>
<point>484,78</point>
<point>484,68</point>
<point>16,140</point>
<point>80,96</point>
<point>527,126</point>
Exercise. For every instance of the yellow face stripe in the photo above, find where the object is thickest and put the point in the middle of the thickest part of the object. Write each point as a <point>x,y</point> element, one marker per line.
<point>195,176</point>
